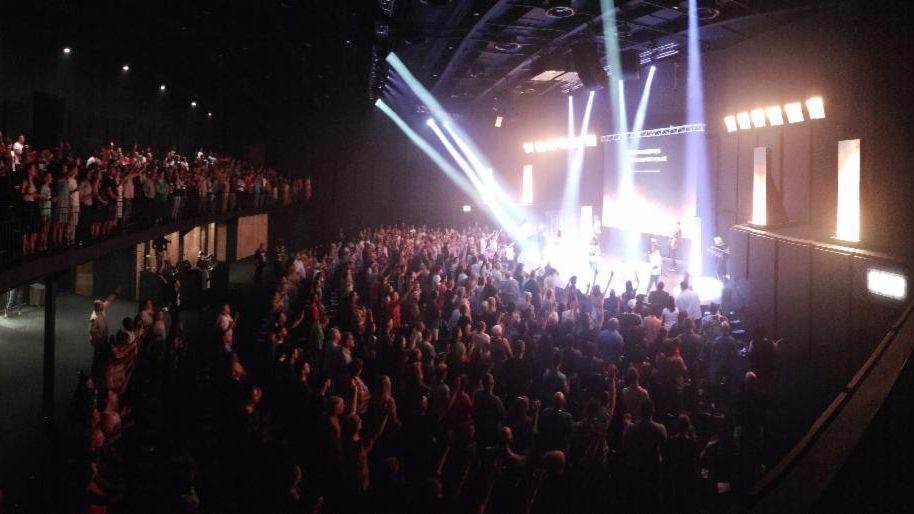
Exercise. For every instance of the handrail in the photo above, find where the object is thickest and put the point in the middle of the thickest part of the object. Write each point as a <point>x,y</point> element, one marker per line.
<point>797,482</point>
<point>16,273</point>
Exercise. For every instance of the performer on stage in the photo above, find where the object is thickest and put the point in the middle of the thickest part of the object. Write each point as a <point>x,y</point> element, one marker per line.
<point>675,241</point>
<point>721,253</point>
<point>656,262</point>
<point>593,254</point>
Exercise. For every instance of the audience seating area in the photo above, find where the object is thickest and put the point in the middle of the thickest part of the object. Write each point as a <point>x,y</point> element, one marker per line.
<point>411,369</point>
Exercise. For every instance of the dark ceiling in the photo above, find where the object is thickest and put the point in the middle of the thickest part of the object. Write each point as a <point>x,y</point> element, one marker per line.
<point>276,61</point>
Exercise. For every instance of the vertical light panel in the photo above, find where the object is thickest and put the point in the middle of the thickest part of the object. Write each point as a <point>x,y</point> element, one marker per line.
<point>586,223</point>
<point>759,186</point>
<point>849,190</point>
<point>526,192</point>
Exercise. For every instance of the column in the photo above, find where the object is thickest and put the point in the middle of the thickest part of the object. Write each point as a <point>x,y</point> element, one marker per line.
<point>50,321</point>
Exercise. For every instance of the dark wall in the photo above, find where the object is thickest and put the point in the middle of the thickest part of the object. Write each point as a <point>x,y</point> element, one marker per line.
<point>859,57</point>
<point>815,297</point>
<point>49,96</point>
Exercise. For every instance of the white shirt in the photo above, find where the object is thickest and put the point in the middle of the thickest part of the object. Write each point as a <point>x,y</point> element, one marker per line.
<point>17,152</point>
<point>74,193</point>
<point>688,302</point>
<point>669,318</point>
<point>656,262</point>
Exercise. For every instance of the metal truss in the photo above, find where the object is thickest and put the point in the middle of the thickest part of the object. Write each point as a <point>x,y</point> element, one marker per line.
<point>668,131</point>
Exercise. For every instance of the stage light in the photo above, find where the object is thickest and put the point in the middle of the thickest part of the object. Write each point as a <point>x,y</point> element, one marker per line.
<point>162,87</point>
<point>561,143</point>
<point>730,122</point>
<point>67,50</point>
<point>125,67</point>
<point>526,194</point>
<point>848,228</point>
<point>816,108</point>
<point>467,208</point>
<point>193,103</point>
<point>642,105</point>
<point>887,284</point>
<point>794,112</point>
<point>498,121</point>
<point>742,118</point>
<point>760,186</point>
<point>209,115</point>
<point>775,116</point>
<point>758,117</point>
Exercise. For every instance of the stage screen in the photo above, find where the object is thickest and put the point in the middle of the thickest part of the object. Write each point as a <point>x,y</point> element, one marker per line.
<point>655,193</point>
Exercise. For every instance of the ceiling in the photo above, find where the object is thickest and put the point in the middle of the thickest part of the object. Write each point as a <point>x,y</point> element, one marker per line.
<point>474,55</point>
<point>275,61</point>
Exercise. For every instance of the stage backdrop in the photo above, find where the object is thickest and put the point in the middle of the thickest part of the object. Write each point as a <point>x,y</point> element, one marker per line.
<point>657,186</point>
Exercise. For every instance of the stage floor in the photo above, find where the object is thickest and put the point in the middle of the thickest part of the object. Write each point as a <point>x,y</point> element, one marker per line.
<point>709,289</point>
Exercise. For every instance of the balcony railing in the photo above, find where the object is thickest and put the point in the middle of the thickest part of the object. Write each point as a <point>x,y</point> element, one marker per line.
<point>59,228</point>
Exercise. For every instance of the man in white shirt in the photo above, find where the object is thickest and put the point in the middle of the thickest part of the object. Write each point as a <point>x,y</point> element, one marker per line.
<point>73,215</point>
<point>18,148</point>
<point>656,262</point>
<point>98,331</point>
<point>688,302</point>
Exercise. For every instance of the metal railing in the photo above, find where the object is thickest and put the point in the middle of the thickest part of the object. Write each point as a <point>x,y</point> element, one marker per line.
<point>26,232</point>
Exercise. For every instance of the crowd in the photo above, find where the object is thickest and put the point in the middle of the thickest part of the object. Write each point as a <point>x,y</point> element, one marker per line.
<point>52,198</point>
<point>411,369</point>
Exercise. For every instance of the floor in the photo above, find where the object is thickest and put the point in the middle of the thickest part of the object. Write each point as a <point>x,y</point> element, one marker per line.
<point>21,352</point>
<point>23,432</point>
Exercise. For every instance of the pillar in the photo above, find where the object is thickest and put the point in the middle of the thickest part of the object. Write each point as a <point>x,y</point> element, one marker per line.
<point>50,325</point>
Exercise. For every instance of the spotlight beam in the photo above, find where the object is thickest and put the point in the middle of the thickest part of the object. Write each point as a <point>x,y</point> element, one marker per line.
<point>442,163</point>
<point>570,198</point>
<point>642,105</point>
<point>500,216</point>
<point>697,177</point>
<point>480,163</point>
<point>426,97</point>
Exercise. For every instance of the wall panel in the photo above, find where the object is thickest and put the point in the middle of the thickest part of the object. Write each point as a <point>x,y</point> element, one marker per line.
<point>762,277</point>
<point>796,161</point>
<point>747,141</point>
<point>830,312</point>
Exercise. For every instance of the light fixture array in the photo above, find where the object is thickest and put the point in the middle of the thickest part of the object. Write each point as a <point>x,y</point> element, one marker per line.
<point>775,115</point>
<point>560,143</point>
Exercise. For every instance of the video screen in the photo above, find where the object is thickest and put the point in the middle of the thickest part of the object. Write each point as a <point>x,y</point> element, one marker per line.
<point>655,193</point>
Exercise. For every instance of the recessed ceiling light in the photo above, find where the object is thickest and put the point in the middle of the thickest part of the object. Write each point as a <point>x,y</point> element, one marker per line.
<point>560,11</point>
<point>507,46</point>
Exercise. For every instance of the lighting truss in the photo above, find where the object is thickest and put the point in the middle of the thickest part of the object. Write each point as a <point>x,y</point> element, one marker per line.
<point>668,131</point>
<point>657,53</point>
<point>387,6</point>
